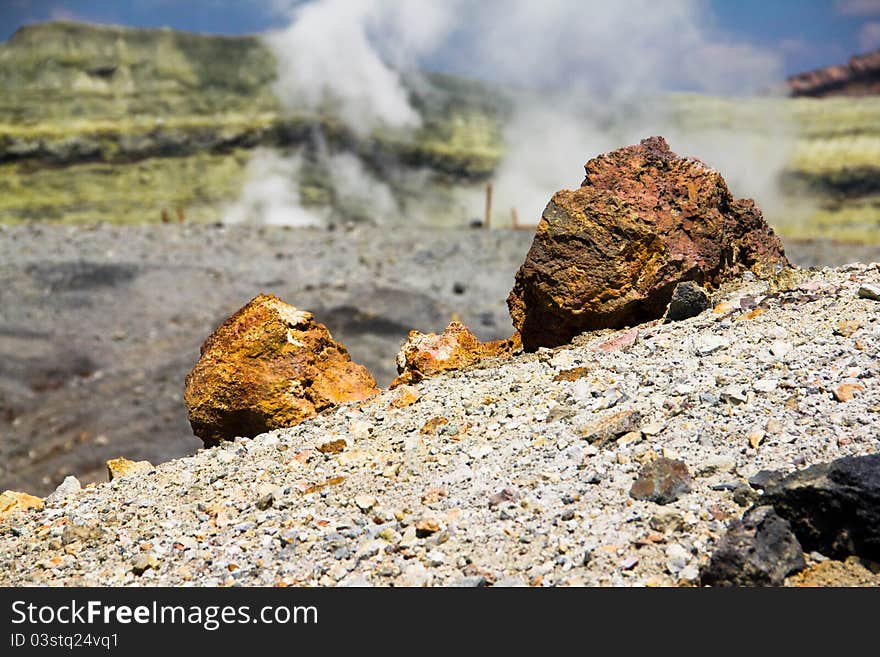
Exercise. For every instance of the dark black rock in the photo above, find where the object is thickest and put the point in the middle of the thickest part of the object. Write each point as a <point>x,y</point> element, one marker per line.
<point>833,508</point>
<point>764,479</point>
<point>661,481</point>
<point>759,550</point>
<point>744,496</point>
<point>688,300</point>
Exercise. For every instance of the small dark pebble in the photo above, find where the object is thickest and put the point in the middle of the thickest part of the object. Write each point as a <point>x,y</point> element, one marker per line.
<point>688,300</point>
<point>265,502</point>
<point>744,495</point>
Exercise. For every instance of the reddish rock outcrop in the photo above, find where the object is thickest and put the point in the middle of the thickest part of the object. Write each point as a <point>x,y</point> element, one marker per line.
<point>859,77</point>
<point>266,367</point>
<point>610,253</point>
<point>427,354</point>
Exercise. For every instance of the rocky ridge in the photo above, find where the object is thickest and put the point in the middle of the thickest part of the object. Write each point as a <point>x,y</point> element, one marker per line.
<point>490,475</point>
<point>860,76</point>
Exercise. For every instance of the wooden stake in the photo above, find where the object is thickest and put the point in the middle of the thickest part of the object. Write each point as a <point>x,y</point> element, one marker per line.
<point>487,222</point>
<point>514,219</point>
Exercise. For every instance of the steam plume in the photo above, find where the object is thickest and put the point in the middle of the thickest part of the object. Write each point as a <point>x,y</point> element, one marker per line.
<point>585,77</point>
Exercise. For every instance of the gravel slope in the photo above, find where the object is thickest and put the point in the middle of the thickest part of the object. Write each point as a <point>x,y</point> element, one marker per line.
<point>508,490</point>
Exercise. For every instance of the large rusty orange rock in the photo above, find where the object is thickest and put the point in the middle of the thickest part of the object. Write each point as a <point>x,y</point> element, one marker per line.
<point>610,253</point>
<point>269,366</point>
<point>427,354</point>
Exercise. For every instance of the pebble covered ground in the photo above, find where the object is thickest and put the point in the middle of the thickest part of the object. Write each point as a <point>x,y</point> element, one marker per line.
<point>514,473</point>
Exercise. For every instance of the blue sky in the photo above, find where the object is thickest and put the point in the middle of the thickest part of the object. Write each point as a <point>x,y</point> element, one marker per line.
<point>806,33</point>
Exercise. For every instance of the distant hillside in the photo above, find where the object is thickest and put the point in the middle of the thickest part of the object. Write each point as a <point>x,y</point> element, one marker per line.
<point>64,71</point>
<point>858,77</point>
<point>103,123</point>
<point>183,112</point>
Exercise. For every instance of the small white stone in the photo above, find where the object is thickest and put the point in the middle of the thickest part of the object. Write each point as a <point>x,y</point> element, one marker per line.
<point>365,502</point>
<point>676,558</point>
<point>710,344</point>
<point>734,393</point>
<point>717,463</point>
<point>653,429</point>
<point>416,575</point>
<point>581,390</point>
<point>689,573</point>
<point>435,558</point>
<point>226,456</point>
<point>354,581</point>
<point>766,385</point>
<point>370,548</point>
<point>67,487</point>
<point>780,348</point>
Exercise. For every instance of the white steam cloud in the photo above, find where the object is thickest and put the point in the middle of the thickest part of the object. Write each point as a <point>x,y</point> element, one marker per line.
<point>587,76</point>
<point>271,193</point>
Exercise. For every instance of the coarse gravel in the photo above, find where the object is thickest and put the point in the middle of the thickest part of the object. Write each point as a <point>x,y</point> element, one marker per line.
<point>505,489</point>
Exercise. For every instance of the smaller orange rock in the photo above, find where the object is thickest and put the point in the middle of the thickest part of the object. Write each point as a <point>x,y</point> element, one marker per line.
<point>847,391</point>
<point>269,366</point>
<point>656,581</point>
<point>433,495</point>
<point>428,354</point>
<point>724,307</point>
<point>303,456</point>
<point>12,501</point>
<point>333,446</point>
<point>846,327</point>
<point>404,396</point>
<point>755,438</point>
<point>427,526</point>
<point>751,314</point>
<point>573,374</point>
<point>430,427</point>
<point>314,488</point>
<point>122,467</point>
